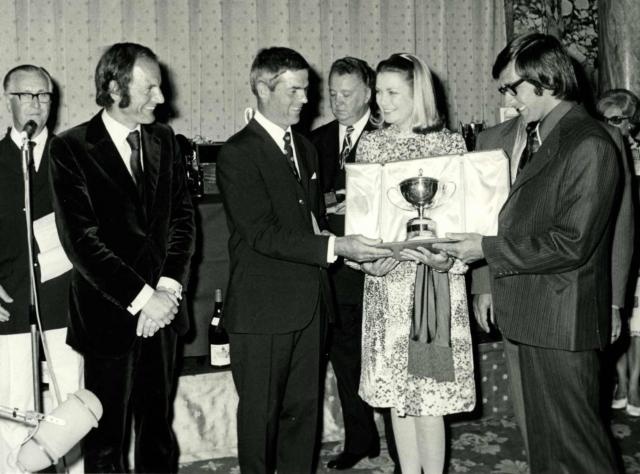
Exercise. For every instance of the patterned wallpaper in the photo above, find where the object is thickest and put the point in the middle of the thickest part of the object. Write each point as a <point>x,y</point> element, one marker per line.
<point>575,22</point>
<point>207,47</point>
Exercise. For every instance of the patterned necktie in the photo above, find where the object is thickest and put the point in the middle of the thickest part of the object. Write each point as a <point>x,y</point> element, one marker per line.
<point>531,147</point>
<point>136,165</point>
<point>346,146</point>
<point>288,150</point>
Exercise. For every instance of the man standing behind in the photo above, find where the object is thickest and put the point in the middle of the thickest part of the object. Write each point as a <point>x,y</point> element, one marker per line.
<point>28,92</point>
<point>550,262</point>
<point>278,289</point>
<point>351,87</point>
<point>126,222</point>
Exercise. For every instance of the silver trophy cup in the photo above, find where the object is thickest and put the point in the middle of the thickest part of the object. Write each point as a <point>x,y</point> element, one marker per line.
<point>423,193</point>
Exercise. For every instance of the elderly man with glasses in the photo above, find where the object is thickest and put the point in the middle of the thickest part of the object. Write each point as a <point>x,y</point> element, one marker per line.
<point>28,95</point>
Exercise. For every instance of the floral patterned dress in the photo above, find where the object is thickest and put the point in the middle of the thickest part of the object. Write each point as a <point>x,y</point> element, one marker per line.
<point>388,306</point>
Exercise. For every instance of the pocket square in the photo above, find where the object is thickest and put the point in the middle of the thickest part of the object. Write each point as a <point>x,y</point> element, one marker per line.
<point>314,176</point>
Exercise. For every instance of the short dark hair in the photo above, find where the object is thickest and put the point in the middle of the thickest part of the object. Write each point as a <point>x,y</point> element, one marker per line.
<point>26,68</point>
<point>116,64</point>
<point>542,61</point>
<point>273,62</point>
<point>358,67</point>
<point>626,100</point>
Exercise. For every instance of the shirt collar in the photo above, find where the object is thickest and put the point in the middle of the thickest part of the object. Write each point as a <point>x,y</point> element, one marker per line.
<point>115,129</point>
<point>275,131</point>
<point>39,140</point>
<point>358,127</point>
<point>550,120</point>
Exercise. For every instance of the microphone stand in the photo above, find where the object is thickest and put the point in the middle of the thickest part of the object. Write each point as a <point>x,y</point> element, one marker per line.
<point>34,308</point>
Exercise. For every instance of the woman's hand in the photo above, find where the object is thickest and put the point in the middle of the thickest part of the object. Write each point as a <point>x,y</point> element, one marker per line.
<point>379,267</point>
<point>440,262</point>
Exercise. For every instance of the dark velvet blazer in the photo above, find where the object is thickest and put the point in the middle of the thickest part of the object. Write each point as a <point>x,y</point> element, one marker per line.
<point>277,263</point>
<point>14,256</point>
<point>551,260</point>
<point>117,241</point>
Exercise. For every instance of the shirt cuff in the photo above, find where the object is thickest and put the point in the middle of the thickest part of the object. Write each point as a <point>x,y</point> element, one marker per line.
<point>142,299</point>
<point>170,284</point>
<point>331,255</point>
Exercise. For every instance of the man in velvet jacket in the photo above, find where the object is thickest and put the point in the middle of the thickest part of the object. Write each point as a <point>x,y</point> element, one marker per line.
<point>550,264</point>
<point>351,89</point>
<point>278,289</point>
<point>126,221</point>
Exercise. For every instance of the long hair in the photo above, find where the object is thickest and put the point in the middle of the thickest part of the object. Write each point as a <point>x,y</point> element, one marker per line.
<point>425,117</point>
<point>116,64</point>
<point>542,61</point>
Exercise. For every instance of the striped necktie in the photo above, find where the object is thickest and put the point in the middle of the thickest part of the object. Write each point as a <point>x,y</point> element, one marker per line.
<point>346,146</point>
<point>288,150</point>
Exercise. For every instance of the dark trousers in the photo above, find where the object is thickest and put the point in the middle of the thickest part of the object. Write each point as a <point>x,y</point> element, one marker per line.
<point>277,377</point>
<point>565,431</point>
<point>140,384</point>
<point>360,431</point>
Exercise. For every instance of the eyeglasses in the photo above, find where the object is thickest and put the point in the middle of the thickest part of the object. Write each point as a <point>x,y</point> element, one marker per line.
<point>616,119</point>
<point>27,97</point>
<point>511,88</point>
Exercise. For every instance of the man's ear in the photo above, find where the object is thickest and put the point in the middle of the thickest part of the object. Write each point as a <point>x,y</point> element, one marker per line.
<point>7,101</point>
<point>368,96</point>
<point>263,90</point>
<point>114,91</point>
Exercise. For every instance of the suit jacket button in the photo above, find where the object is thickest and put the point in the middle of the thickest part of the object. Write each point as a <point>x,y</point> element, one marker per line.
<point>300,201</point>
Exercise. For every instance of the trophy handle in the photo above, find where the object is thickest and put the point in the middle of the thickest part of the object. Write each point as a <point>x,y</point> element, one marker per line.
<point>398,194</point>
<point>446,189</point>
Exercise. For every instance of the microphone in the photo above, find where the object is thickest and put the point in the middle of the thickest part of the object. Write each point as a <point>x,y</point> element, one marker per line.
<point>28,130</point>
<point>50,440</point>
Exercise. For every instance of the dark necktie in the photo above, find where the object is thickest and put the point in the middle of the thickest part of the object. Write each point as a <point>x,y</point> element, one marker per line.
<point>346,146</point>
<point>531,147</point>
<point>136,165</point>
<point>288,151</point>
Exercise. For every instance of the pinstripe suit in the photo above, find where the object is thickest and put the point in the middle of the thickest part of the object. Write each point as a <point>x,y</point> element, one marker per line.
<point>550,281</point>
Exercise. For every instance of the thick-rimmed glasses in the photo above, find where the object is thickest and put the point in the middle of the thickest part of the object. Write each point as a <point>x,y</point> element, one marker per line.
<point>511,87</point>
<point>616,119</point>
<point>27,97</point>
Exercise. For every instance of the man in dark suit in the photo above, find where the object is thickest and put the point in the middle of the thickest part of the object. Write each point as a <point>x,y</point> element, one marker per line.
<point>351,88</point>
<point>550,262</point>
<point>28,93</point>
<point>278,289</point>
<point>126,222</point>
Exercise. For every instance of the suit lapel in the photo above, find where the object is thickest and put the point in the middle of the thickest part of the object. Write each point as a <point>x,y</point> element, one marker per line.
<point>104,152</point>
<point>273,152</point>
<point>540,159</point>
<point>151,153</point>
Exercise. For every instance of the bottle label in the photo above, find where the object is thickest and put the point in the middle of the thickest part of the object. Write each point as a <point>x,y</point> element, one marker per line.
<point>215,321</point>
<point>219,354</point>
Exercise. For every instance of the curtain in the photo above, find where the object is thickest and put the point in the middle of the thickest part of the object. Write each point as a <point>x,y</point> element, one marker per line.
<point>206,48</point>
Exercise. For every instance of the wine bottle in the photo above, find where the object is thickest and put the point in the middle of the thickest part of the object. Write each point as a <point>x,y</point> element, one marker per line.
<point>218,338</point>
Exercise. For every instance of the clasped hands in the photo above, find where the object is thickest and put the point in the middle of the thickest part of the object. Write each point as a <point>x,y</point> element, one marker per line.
<point>159,311</point>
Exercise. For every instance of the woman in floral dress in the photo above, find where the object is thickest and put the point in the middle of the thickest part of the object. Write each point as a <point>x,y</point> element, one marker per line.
<point>411,129</point>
